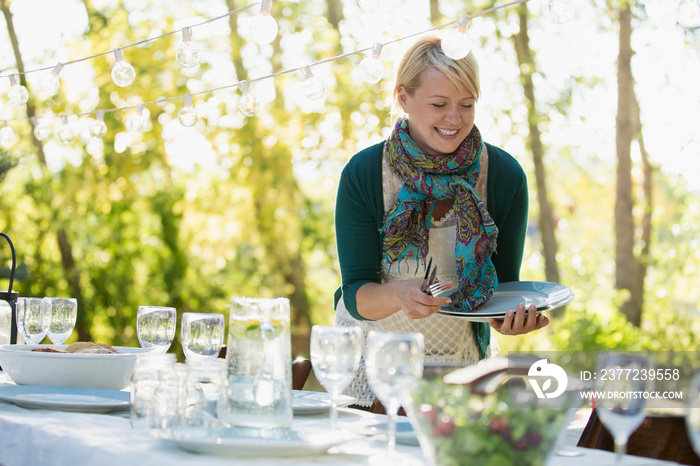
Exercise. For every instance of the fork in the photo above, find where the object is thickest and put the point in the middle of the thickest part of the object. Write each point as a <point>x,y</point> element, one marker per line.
<point>426,278</point>
<point>439,287</point>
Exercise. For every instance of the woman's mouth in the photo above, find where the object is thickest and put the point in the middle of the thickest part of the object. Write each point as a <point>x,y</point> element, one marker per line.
<point>446,132</point>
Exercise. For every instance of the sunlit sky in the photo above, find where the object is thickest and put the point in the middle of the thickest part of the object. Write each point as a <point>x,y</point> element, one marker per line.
<point>665,66</point>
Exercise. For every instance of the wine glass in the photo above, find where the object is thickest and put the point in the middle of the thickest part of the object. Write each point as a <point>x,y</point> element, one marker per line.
<point>33,320</point>
<point>394,366</point>
<point>335,357</point>
<point>155,328</point>
<point>620,381</point>
<point>201,335</point>
<point>692,417</point>
<point>63,312</point>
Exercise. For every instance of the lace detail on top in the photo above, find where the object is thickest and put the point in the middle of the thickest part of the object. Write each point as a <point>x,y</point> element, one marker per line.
<point>446,339</point>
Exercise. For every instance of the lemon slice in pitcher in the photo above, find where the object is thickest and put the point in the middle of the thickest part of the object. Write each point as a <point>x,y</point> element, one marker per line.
<point>250,329</point>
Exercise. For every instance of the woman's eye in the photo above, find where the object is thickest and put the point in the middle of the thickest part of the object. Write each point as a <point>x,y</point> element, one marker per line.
<point>438,105</point>
<point>467,105</point>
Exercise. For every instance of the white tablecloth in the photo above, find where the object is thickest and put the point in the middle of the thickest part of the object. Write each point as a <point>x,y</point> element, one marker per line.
<point>34,437</point>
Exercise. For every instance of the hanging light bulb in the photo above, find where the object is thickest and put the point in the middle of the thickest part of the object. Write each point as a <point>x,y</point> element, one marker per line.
<point>188,51</point>
<point>457,44</point>
<point>559,11</point>
<point>371,68</point>
<point>264,28</point>
<point>98,127</point>
<point>49,83</point>
<point>688,13</point>
<point>8,138</point>
<point>17,95</point>
<point>42,131</point>
<point>136,122</point>
<point>123,74</point>
<point>66,134</point>
<point>248,104</point>
<point>313,87</point>
<point>187,114</point>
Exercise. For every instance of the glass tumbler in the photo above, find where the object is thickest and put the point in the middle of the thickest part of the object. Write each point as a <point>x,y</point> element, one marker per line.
<point>154,392</point>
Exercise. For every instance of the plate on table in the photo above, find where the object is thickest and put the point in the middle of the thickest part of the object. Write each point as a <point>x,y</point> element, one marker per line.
<point>245,443</point>
<point>404,432</point>
<point>77,399</point>
<point>309,402</point>
<point>546,296</point>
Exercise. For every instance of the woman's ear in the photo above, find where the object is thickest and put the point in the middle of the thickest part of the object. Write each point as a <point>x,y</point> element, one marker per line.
<point>402,97</point>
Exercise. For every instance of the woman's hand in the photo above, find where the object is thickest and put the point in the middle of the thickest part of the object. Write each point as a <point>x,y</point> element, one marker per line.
<point>520,322</point>
<point>419,305</point>
<point>376,301</point>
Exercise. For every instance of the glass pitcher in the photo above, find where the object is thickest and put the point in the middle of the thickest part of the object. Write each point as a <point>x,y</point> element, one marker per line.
<point>258,356</point>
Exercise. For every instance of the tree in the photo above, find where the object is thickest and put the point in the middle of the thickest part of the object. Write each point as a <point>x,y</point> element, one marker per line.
<point>547,228</point>
<point>630,267</point>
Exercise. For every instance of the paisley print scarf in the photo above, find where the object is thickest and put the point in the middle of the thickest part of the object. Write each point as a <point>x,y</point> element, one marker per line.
<point>427,178</point>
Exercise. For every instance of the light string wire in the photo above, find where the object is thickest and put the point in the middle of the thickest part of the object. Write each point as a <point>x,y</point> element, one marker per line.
<point>261,78</point>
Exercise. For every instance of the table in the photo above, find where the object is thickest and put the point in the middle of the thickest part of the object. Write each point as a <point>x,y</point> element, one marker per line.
<point>34,437</point>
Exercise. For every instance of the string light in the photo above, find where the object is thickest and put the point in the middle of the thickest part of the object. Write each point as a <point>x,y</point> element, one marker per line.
<point>17,95</point>
<point>123,74</point>
<point>188,51</point>
<point>187,114</point>
<point>136,122</point>
<point>98,128</point>
<point>248,104</point>
<point>264,28</point>
<point>371,67</point>
<point>49,83</point>
<point>8,138</point>
<point>42,131</point>
<point>66,134</point>
<point>457,44</point>
<point>313,87</point>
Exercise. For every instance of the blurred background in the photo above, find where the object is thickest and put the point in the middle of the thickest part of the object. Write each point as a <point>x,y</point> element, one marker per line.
<point>597,99</point>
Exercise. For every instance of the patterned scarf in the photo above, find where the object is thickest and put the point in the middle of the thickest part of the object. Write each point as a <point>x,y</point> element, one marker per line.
<point>428,178</point>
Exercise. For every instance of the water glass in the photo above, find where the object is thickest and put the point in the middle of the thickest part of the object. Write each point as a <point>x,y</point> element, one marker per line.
<point>201,335</point>
<point>64,312</point>
<point>394,364</point>
<point>335,357</point>
<point>202,391</point>
<point>692,418</point>
<point>155,328</point>
<point>33,320</point>
<point>621,415</point>
<point>154,392</point>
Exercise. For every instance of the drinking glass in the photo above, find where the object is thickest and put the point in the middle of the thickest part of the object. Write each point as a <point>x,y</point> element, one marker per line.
<point>335,357</point>
<point>63,312</point>
<point>692,418</point>
<point>33,320</point>
<point>620,381</point>
<point>201,335</point>
<point>394,363</point>
<point>155,328</point>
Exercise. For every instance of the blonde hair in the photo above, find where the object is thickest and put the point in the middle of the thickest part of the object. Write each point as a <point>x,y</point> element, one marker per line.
<point>427,53</point>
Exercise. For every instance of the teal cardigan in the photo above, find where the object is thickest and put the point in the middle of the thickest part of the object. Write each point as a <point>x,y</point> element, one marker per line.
<point>359,214</point>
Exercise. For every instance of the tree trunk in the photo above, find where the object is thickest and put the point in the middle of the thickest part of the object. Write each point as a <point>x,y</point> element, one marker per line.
<point>626,272</point>
<point>71,272</point>
<point>435,15</point>
<point>526,60</point>
<point>645,252</point>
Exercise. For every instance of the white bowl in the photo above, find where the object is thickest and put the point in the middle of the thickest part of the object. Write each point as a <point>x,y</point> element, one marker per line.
<point>27,367</point>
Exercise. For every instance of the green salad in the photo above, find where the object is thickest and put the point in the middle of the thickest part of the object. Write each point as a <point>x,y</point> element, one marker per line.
<point>483,430</point>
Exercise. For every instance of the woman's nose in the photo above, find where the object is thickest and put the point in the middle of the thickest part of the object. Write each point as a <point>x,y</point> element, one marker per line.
<point>452,116</point>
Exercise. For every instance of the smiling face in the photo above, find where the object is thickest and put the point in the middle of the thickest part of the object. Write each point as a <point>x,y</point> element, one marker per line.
<point>440,115</point>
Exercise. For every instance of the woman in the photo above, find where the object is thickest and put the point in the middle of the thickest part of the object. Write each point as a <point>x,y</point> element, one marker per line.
<point>435,190</point>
